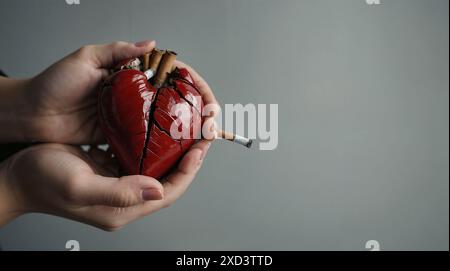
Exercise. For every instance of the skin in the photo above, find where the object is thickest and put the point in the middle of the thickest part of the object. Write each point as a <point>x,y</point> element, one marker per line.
<point>58,107</point>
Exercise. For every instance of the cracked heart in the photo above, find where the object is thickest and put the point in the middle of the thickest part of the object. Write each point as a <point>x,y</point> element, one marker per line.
<point>136,115</point>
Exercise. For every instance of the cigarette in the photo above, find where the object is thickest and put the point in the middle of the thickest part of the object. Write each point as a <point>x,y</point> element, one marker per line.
<point>235,138</point>
<point>151,62</point>
<point>132,64</point>
<point>149,74</point>
<point>154,59</point>
<point>165,67</point>
<point>146,61</point>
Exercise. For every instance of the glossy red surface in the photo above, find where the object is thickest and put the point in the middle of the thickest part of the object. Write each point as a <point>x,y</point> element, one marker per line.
<point>136,119</point>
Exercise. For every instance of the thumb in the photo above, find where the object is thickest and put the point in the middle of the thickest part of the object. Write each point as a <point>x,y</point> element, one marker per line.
<point>104,56</point>
<point>120,192</point>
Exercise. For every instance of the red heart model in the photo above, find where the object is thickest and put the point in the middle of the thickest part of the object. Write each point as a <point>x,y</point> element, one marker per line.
<point>136,119</point>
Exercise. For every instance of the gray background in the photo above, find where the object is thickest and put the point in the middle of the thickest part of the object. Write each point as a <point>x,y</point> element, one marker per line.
<point>363,94</point>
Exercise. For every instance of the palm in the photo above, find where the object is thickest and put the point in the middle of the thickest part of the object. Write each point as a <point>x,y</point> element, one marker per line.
<point>66,181</point>
<point>55,167</point>
<point>67,101</point>
<point>62,183</point>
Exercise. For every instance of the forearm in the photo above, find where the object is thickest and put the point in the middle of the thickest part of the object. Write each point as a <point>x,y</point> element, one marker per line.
<point>15,112</point>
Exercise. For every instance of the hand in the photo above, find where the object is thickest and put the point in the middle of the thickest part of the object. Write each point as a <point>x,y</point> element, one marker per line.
<point>65,181</point>
<point>60,104</point>
<point>63,98</point>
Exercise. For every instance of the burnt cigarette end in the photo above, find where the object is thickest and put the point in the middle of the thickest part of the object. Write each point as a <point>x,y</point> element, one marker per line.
<point>249,144</point>
<point>242,141</point>
<point>155,59</point>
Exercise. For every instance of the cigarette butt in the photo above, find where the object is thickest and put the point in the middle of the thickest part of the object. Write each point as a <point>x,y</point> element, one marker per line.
<point>146,61</point>
<point>165,67</point>
<point>155,59</point>
<point>132,64</point>
<point>235,138</point>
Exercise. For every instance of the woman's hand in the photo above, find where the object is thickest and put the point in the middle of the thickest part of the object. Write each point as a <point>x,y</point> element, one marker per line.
<point>63,99</point>
<point>66,181</point>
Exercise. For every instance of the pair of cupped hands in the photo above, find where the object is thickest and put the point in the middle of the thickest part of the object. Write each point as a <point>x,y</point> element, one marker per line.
<point>58,108</point>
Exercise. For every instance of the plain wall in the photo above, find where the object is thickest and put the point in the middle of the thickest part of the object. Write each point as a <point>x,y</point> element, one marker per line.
<point>363,94</point>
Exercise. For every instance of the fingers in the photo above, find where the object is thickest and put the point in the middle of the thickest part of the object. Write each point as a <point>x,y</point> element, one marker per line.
<point>104,56</point>
<point>113,218</point>
<point>118,192</point>
<point>176,183</point>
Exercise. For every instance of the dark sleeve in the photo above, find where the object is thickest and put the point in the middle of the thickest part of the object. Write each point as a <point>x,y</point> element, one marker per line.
<point>2,73</point>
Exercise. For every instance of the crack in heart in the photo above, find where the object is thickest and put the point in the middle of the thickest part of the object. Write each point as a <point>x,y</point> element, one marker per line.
<point>150,121</point>
<point>153,121</point>
<point>142,140</point>
<point>156,123</point>
<point>182,96</point>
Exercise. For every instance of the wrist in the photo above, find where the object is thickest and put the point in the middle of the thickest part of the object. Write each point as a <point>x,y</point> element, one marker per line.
<point>16,110</point>
<point>10,208</point>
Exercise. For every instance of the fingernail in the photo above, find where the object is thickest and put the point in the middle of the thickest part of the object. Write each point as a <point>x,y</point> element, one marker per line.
<point>142,43</point>
<point>205,150</point>
<point>151,194</point>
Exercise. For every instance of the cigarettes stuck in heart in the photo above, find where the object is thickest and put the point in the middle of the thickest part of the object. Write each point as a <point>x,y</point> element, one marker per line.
<point>136,113</point>
<point>151,63</point>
